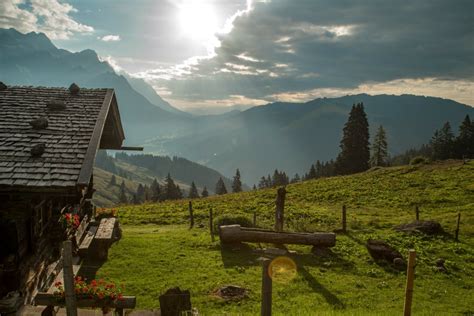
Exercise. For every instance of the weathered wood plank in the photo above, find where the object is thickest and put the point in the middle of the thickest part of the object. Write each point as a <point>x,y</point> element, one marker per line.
<point>87,240</point>
<point>81,229</point>
<point>60,277</point>
<point>106,228</point>
<point>48,299</point>
<point>235,233</point>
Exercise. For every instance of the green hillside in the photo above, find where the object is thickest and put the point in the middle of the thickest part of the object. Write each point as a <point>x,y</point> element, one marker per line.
<point>158,251</point>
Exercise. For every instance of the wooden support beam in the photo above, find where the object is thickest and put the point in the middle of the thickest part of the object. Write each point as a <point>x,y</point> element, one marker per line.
<point>279,209</point>
<point>410,281</point>
<point>128,302</point>
<point>70,295</point>
<point>266,307</point>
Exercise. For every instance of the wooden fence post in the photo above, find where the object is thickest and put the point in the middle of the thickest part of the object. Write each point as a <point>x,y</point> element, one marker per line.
<point>457,227</point>
<point>191,215</point>
<point>266,308</point>
<point>344,219</point>
<point>254,218</point>
<point>409,286</point>
<point>279,209</point>
<point>70,295</point>
<point>211,224</point>
<point>417,212</point>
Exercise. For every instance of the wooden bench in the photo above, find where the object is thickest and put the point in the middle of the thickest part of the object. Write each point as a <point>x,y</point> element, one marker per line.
<point>105,236</point>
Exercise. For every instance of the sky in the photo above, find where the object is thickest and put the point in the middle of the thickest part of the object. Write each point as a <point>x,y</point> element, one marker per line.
<point>222,53</point>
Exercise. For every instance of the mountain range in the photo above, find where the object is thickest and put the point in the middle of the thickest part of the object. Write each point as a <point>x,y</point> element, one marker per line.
<point>284,136</point>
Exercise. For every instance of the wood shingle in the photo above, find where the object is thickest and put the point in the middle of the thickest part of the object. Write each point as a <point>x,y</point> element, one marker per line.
<point>71,138</point>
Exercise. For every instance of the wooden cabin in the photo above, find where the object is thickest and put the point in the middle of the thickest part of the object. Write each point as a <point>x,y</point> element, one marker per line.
<point>49,138</point>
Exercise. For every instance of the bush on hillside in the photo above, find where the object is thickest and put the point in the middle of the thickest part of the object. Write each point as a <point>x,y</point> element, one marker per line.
<point>418,160</point>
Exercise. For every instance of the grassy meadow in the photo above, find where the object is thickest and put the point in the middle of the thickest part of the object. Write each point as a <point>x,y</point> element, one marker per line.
<point>159,251</point>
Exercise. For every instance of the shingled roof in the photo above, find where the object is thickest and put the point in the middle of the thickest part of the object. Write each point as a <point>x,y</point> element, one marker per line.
<point>61,154</point>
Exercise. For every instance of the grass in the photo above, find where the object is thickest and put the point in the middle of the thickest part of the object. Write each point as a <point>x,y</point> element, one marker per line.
<point>158,251</point>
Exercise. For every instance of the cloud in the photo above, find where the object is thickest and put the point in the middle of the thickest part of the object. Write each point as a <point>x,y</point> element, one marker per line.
<point>48,16</point>
<point>110,38</point>
<point>283,47</point>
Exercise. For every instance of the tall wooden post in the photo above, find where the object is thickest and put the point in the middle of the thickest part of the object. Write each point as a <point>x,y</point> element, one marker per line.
<point>417,211</point>
<point>70,295</point>
<point>279,209</point>
<point>211,224</point>
<point>254,218</point>
<point>457,227</point>
<point>191,215</point>
<point>266,308</point>
<point>344,218</point>
<point>410,279</point>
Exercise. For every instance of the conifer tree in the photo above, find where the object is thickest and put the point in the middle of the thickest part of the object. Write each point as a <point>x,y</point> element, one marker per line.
<point>140,193</point>
<point>296,178</point>
<point>379,149</point>
<point>204,192</point>
<point>220,187</point>
<point>442,143</point>
<point>262,183</point>
<point>312,172</point>
<point>113,180</point>
<point>178,193</point>
<point>155,191</point>
<point>122,193</point>
<point>236,183</point>
<point>193,192</point>
<point>254,187</point>
<point>465,140</point>
<point>170,192</point>
<point>354,156</point>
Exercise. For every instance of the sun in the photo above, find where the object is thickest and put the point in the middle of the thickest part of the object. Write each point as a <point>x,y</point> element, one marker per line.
<point>198,20</point>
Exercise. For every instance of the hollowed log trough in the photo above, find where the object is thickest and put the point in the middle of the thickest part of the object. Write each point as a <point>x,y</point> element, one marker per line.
<point>231,234</point>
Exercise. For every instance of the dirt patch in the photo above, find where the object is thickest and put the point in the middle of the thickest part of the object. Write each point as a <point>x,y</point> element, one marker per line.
<point>230,292</point>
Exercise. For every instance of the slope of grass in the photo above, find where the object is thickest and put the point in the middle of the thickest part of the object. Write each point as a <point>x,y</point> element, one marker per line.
<point>158,251</point>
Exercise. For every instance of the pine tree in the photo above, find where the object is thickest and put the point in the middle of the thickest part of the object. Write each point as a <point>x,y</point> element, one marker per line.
<point>113,180</point>
<point>178,193</point>
<point>193,192</point>
<point>312,172</point>
<point>254,187</point>
<point>465,140</point>
<point>204,192</point>
<point>319,169</point>
<point>236,183</point>
<point>220,187</point>
<point>442,143</point>
<point>155,191</point>
<point>262,183</point>
<point>296,178</point>
<point>140,193</point>
<point>134,199</point>
<point>354,156</point>
<point>122,194</point>
<point>170,192</point>
<point>379,149</point>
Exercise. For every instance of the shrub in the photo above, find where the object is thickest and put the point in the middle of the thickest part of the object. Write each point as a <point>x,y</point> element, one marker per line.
<point>231,220</point>
<point>419,160</point>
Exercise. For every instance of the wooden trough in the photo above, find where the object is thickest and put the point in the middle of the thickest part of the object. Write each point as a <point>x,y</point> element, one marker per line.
<point>234,234</point>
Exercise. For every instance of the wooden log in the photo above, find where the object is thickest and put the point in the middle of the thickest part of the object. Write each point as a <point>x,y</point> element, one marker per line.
<point>234,234</point>
<point>266,307</point>
<point>103,238</point>
<point>410,281</point>
<point>71,306</point>
<point>457,227</point>
<point>279,209</point>
<point>128,302</point>
<point>191,215</point>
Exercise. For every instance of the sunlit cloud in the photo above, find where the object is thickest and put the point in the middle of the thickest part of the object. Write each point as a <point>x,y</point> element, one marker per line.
<point>110,38</point>
<point>48,16</point>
